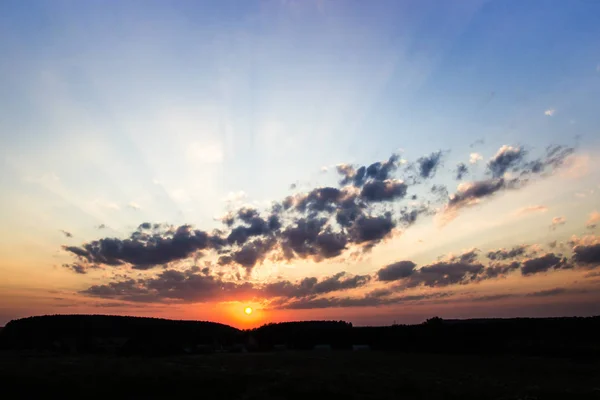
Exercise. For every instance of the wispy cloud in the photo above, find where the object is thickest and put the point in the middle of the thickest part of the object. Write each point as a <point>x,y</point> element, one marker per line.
<point>549,112</point>
<point>134,205</point>
<point>531,210</point>
<point>67,234</point>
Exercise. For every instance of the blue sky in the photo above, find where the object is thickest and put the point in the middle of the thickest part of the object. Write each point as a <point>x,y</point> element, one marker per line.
<point>118,113</point>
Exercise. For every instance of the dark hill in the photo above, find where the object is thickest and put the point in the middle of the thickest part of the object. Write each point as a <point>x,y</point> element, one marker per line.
<point>87,333</point>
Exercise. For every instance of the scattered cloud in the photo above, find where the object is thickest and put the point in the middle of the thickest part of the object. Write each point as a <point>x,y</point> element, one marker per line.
<point>557,221</point>
<point>474,158</point>
<point>134,205</point>
<point>544,263</point>
<point>504,254</point>
<point>369,204</point>
<point>549,112</point>
<point>593,220</point>
<point>67,234</point>
<point>531,210</point>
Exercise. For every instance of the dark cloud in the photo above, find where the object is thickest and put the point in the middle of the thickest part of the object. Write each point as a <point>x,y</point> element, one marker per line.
<point>548,293</point>
<point>194,285</point>
<point>379,171</point>
<point>173,285</point>
<point>461,170</point>
<point>320,199</point>
<point>467,257</point>
<point>77,268</point>
<point>373,299</point>
<point>312,286</point>
<point>388,190</point>
<point>542,264</point>
<point>471,192</point>
<point>588,256</point>
<point>253,252</point>
<point>143,250</point>
<point>428,165</point>
<point>504,254</point>
<point>506,158</point>
<point>101,226</point>
<point>67,234</point>
<point>499,270</point>
<point>371,229</point>
<point>492,297</point>
<point>444,274</point>
<point>322,223</point>
<point>396,271</point>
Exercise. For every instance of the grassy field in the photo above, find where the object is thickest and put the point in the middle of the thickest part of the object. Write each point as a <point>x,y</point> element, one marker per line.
<point>291,375</point>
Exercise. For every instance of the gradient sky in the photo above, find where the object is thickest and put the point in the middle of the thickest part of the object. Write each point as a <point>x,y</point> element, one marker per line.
<point>131,132</point>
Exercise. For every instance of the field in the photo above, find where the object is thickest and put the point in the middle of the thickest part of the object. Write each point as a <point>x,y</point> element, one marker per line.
<point>299,375</point>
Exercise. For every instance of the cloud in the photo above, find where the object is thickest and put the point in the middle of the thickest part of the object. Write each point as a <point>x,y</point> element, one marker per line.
<point>67,234</point>
<point>499,270</point>
<point>134,205</point>
<point>196,285</point>
<point>587,255</point>
<point>557,221</point>
<point>235,197</point>
<point>549,112</point>
<point>396,271</point>
<point>388,190</point>
<point>461,171</point>
<point>77,268</point>
<point>506,158</point>
<point>474,158</point>
<point>548,293</point>
<point>143,249</point>
<point>101,226</point>
<point>531,210</point>
<point>469,194</point>
<point>369,205</point>
<point>444,274</point>
<point>312,286</point>
<point>375,298</point>
<point>593,220</point>
<point>547,262</point>
<point>503,254</point>
<point>428,165</point>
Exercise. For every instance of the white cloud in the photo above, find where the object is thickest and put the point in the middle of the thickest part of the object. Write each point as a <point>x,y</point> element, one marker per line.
<point>134,205</point>
<point>549,112</point>
<point>475,157</point>
<point>324,169</point>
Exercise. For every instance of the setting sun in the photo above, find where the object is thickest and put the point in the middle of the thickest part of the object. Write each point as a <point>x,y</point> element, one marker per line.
<point>248,310</point>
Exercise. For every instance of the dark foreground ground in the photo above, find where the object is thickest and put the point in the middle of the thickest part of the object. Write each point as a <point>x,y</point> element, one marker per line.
<point>299,375</point>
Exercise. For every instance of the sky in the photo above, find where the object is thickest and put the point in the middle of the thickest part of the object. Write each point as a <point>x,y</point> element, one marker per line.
<point>374,162</point>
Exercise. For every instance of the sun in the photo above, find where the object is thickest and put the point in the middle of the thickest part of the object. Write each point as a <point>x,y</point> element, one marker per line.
<point>248,310</point>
